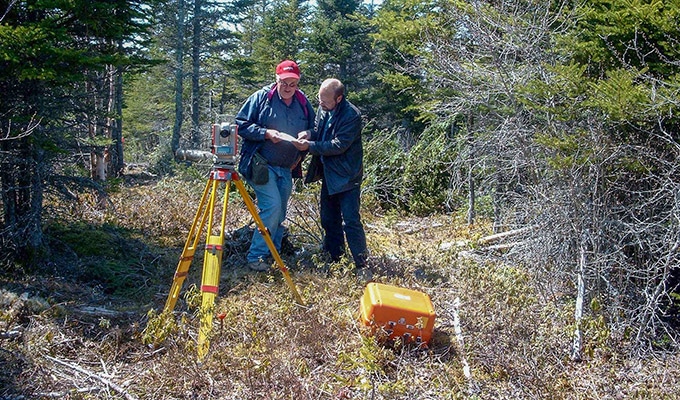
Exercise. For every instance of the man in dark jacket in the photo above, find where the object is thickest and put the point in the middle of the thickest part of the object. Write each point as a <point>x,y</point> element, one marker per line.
<point>269,120</point>
<point>337,158</point>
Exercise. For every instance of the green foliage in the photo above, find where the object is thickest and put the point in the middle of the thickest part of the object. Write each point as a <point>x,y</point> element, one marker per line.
<point>596,330</point>
<point>384,160</point>
<point>339,46</point>
<point>560,96</point>
<point>400,24</point>
<point>607,30</point>
<point>54,59</point>
<point>608,78</point>
<point>147,114</point>
<point>483,207</point>
<point>427,174</point>
<point>270,46</point>
<point>622,97</point>
<point>418,179</point>
<point>398,29</point>
<point>159,327</point>
<point>565,150</point>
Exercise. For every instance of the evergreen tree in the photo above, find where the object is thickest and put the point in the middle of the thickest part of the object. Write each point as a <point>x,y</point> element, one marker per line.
<point>281,37</point>
<point>340,46</point>
<point>400,92</point>
<point>198,40</point>
<point>52,58</point>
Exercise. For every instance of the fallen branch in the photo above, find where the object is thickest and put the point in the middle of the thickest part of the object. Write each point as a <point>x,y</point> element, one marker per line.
<point>499,236</point>
<point>501,247</point>
<point>10,335</point>
<point>57,395</point>
<point>461,345</point>
<point>105,381</point>
<point>99,311</point>
<point>449,245</point>
<point>419,228</point>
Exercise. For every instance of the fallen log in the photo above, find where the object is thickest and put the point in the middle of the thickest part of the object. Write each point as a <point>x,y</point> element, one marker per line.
<point>193,155</point>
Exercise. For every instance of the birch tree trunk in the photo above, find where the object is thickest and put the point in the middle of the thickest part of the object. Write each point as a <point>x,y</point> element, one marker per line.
<point>576,348</point>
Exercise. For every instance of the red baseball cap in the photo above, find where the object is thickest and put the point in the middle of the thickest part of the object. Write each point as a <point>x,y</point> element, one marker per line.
<point>288,69</point>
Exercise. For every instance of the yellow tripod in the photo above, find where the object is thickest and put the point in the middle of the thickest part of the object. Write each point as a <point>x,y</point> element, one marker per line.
<point>212,260</point>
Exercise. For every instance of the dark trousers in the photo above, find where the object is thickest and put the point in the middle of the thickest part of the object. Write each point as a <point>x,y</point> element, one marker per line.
<point>336,209</point>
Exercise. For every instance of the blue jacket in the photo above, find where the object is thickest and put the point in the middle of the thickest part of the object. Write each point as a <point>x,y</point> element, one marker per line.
<point>252,125</point>
<point>337,152</point>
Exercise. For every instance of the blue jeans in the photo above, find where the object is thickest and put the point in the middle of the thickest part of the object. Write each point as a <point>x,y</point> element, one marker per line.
<point>336,209</point>
<point>272,202</point>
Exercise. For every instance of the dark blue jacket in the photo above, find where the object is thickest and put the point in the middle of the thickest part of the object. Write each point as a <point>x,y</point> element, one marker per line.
<point>337,152</point>
<point>252,125</point>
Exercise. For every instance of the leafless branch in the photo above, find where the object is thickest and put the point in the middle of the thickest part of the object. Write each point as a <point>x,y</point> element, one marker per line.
<point>90,374</point>
<point>9,7</point>
<point>23,132</point>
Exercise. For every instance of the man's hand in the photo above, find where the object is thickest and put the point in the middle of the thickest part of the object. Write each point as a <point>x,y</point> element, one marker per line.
<point>303,135</point>
<point>301,144</point>
<point>273,135</point>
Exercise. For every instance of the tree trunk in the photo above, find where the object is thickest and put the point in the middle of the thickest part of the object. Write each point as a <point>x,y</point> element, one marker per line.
<point>116,160</point>
<point>97,129</point>
<point>110,121</point>
<point>471,164</point>
<point>224,97</point>
<point>576,346</point>
<point>7,174</point>
<point>33,222</point>
<point>179,77</point>
<point>195,76</point>
<point>22,194</point>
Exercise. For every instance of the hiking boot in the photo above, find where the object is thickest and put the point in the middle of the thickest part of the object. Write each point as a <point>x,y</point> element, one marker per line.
<point>364,274</point>
<point>259,266</point>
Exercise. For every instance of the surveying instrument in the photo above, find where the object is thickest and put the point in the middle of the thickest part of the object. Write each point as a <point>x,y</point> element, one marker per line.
<point>223,148</point>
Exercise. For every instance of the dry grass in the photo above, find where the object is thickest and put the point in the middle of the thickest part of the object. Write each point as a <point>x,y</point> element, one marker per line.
<point>71,339</point>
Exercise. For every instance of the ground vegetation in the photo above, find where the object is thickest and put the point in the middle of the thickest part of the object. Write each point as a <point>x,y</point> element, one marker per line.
<point>89,324</point>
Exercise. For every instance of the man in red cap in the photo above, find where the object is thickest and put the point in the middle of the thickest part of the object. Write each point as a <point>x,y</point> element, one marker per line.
<point>268,121</point>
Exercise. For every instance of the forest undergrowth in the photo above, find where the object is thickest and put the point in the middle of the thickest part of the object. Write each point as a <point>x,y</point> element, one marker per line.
<point>88,323</point>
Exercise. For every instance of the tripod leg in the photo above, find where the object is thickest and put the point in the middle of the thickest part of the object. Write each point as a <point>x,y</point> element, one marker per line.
<point>209,287</point>
<point>189,249</point>
<point>212,265</point>
<point>267,238</point>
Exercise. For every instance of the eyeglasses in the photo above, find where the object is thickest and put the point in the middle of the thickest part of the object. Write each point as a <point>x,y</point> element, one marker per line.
<point>328,100</point>
<point>292,85</point>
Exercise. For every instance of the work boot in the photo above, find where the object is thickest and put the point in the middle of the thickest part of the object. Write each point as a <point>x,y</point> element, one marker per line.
<point>259,266</point>
<point>364,274</point>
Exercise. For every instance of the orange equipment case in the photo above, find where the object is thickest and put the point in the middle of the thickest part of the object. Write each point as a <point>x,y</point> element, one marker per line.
<point>398,311</point>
